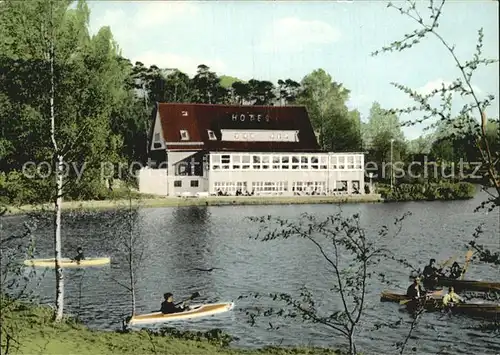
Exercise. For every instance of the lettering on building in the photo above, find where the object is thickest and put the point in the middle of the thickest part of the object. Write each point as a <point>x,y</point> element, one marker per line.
<point>250,117</point>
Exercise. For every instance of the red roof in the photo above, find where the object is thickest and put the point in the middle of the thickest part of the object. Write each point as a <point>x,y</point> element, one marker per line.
<point>197,119</point>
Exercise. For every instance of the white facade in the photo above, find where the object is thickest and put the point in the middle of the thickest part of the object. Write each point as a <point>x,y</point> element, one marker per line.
<point>286,174</point>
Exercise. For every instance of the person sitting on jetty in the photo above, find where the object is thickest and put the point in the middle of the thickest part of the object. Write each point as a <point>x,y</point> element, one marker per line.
<point>79,255</point>
<point>415,290</point>
<point>168,306</point>
<point>452,297</point>
<point>455,271</point>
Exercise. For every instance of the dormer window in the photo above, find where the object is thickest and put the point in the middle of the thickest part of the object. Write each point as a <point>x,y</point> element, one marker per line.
<point>211,135</point>
<point>184,135</point>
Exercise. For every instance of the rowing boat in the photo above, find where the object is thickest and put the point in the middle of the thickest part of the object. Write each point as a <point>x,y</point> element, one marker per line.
<point>387,296</point>
<point>435,303</point>
<point>67,263</point>
<point>464,285</point>
<point>469,285</point>
<point>195,311</point>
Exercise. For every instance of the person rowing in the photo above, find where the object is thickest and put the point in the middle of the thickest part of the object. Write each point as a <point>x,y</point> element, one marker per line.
<point>451,297</point>
<point>416,294</point>
<point>431,274</point>
<point>415,290</point>
<point>168,306</point>
<point>455,271</point>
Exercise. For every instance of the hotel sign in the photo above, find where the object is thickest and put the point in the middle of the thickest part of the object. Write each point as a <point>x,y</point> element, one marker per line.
<point>250,117</point>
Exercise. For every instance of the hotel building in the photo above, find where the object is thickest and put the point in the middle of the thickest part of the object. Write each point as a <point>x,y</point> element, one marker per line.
<point>201,149</point>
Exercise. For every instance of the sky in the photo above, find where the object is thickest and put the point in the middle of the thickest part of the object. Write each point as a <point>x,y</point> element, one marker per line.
<point>271,40</point>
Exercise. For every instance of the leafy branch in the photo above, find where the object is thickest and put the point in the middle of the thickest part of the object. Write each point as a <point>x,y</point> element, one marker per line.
<point>15,280</point>
<point>462,86</point>
<point>349,254</point>
<point>413,325</point>
<point>482,253</point>
<point>130,248</point>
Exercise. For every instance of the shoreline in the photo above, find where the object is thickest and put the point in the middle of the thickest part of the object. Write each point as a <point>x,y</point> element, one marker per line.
<point>33,332</point>
<point>197,201</point>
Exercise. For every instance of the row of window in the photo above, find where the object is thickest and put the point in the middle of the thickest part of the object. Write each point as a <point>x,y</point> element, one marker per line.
<point>284,167</point>
<point>185,135</point>
<point>268,186</point>
<point>178,183</point>
<point>232,186</point>
<point>318,186</point>
<point>284,162</point>
<point>284,159</point>
<point>280,186</point>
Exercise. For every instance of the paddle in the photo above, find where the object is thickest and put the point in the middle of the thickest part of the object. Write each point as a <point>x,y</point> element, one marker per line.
<point>434,293</point>
<point>468,256</point>
<point>192,297</point>
<point>447,262</point>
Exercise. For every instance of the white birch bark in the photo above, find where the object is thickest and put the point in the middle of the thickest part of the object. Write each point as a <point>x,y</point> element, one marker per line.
<point>131,256</point>
<point>58,165</point>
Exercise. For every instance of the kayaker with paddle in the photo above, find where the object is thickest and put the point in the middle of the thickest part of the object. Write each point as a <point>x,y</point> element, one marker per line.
<point>168,306</point>
<point>79,255</point>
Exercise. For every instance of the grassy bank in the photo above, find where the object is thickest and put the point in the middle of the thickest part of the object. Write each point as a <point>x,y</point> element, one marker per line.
<point>34,333</point>
<point>201,201</point>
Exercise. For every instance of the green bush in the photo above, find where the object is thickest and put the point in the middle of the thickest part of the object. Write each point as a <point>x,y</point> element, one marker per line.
<point>17,188</point>
<point>427,191</point>
<point>213,336</point>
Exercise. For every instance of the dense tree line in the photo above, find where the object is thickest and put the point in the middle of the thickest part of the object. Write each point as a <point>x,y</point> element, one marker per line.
<point>103,102</point>
<point>449,144</point>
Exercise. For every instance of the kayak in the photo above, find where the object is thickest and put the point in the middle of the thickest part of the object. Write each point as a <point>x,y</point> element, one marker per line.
<point>194,311</point>
<point>67,263</point>
<point>434,303</point>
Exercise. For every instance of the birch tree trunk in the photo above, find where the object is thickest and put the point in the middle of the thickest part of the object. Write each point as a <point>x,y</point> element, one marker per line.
<point>57,236</point>
<point>132,284</point>
<point>131,266</point>
<point>58,165</point>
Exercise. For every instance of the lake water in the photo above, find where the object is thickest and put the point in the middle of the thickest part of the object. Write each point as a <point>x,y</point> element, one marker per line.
<point>175,240</point>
